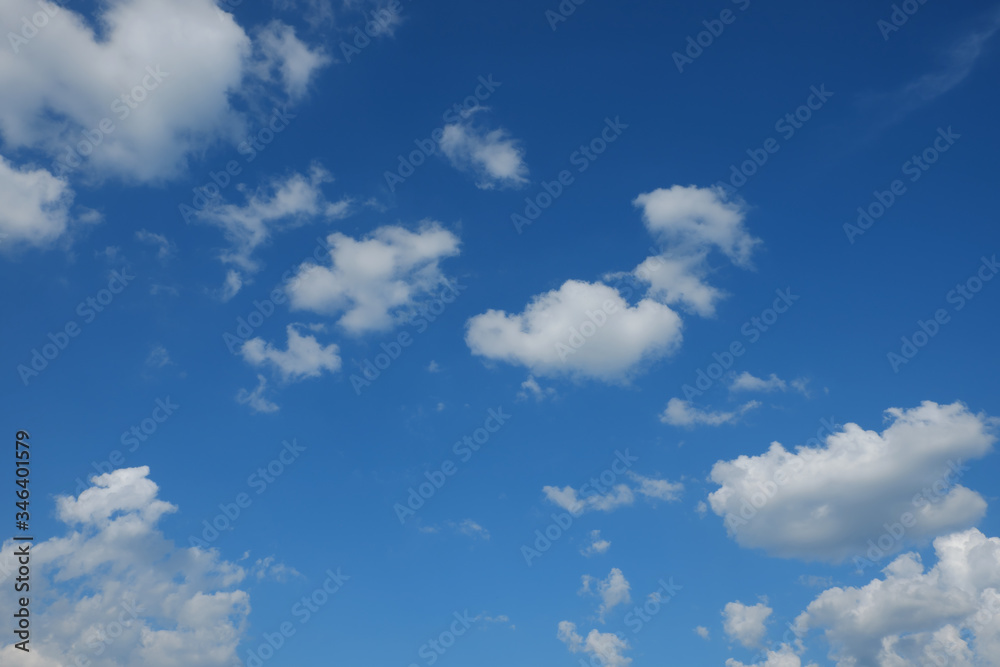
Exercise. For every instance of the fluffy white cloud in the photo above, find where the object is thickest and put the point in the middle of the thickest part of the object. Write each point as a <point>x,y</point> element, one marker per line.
<point>616,496</point>
<point>692,220</point>
<point>689,222</point>
<point>177,64</point>
<point>827,502</point>
<point>683,413</point>
<point>949,614</point>
<point>597,545</point>
<point>376,281</point>
<point>785,656</point>
<point>702,632</point>
<point>179,605</point>
<point>745,623</point>
<point>36,206</point>
<point>608,649</point>
<point>284,203</point>
<point>304,358</point>
<point>493,156</point>
<point>613,590</point>
<point>581,329</point>
<point>284,58</point>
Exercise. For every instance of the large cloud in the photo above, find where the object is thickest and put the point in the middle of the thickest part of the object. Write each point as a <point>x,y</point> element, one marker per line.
<point>827,502</point>
<point>375,282</point>
<point>115,592</point>
<point>135,98</point>
<point>580,329</point>
<point>948,615</point>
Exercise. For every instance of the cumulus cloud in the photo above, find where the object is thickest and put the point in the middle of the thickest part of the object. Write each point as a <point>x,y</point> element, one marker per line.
<point>785,656</point>
<point>550,336</point>
<point>608,649</point>
<point>304,357</point>
<point>689,222</point>
<point>36,206</point>
<point>683,413</point>
<point>613,590</point>
<point>531,388</point>
<point>179,605</point>
<point>747,382</point>
<point>702,632</point>
<point>375,282</point>
<point>495,157</point>
<point>185,59</point>
<point>827,502</point>
<point>164,246</point>
<point>615,496</point>
<point>745,623</point>
<point>949,614</point>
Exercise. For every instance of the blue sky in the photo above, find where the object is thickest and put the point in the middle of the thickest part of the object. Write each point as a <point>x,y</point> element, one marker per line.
<point>571,243</point>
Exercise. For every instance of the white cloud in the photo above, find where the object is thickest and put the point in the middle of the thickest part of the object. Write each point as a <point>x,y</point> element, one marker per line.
<point>531,389</point>
<point>613,590</point>
<point>693,219</point>
<point>747,382</point>
<point>186,59</point>
<point>174,605</point>
<point>827,502</point>
<point>255,399</point>
<point>683,413</point>
<point>784,657</point>
<point>284,203</point>
<point>283,57</point>
<point>550,336</point>
<point>470,528</point>
<point>615,496</point>
<point>232,285</point>
<point>493,156</point>
<point>304,358</point>
<point>376,281</point>
<point>702,632</point>
<point>608,649</point>
<point>744,623</point>
<point>597,545</point>
<point>165,246</point>
<point>36,205</point>
<point>689,222</point>
<point>158,357</point>
<point>949,614</point>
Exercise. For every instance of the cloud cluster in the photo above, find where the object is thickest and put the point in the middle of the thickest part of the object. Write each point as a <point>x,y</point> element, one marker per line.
<point>683,413</point>
<point>589,329</point>
<point>304,357</point>
<point>114,591</point>
<point>615,496</point>
<point>746,623</point>
<point>493,156</point>
<point>606,648</point>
